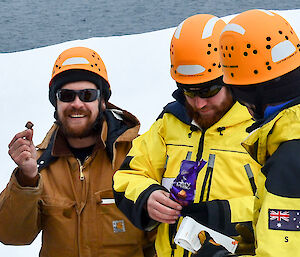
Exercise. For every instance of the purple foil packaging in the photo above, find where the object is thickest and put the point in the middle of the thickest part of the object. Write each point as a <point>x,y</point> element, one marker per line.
<point>184,185</point>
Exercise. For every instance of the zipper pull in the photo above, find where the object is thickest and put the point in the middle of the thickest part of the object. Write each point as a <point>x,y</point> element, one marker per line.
<point>81,173</point>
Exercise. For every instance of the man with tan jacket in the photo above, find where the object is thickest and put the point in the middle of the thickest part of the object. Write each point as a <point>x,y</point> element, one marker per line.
<point>64,188</point>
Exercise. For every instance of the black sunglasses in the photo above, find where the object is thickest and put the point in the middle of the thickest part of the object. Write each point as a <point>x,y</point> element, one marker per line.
<point>85,95</point>
<point>203,92</point>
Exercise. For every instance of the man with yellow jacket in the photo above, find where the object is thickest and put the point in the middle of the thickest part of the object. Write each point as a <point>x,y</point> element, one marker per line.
<point>64,188</point>
<point>204,122</point>
<point>263,72</point>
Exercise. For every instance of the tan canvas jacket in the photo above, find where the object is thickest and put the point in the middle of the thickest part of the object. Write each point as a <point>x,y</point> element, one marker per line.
<point>73,204</point>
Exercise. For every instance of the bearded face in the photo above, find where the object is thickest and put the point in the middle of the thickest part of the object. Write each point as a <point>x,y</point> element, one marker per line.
<point>207,111</point>
<point>78,118</point>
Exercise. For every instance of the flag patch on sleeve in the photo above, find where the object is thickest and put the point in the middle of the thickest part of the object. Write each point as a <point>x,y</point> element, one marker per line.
<point>288,220</point>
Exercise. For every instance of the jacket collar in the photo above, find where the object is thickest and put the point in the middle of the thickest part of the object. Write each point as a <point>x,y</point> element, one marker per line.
<point>236,114</point>
<point>118,126</point>
<point>284,126</point>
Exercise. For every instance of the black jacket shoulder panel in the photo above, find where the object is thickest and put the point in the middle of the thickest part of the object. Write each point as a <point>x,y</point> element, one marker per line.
<point>177,108</point>
<point>282,170</point>
<point>46,158</point>
<point>116,127</point>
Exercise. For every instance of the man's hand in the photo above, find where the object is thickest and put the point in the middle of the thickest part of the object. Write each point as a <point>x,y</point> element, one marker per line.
<point>209,248</point>
<point>23,153</point>
<point>161,208</point>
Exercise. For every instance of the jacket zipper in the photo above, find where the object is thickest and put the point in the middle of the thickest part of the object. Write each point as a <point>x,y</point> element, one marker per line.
<point>200,147</point>
<point>81,175</point>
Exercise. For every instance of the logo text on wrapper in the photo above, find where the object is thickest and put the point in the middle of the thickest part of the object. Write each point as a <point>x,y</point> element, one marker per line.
<point>184,185</point>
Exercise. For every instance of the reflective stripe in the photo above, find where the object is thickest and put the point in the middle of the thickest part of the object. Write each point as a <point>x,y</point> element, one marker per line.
<point>75,60</point>
<point>107,201</point>
<point>190,69</point>
<point>282,50</point>
<point>234,28</point>
<point>178,30</point>
<point>209,27</point>
<point>266,12</point>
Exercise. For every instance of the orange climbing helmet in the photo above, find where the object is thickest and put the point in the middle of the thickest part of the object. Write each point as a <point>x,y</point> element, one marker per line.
<point>77,64</point>
<point>194,50</point>
<point>257,46</point>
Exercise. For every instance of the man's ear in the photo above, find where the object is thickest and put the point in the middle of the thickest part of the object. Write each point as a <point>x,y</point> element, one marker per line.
<point>103,105</point>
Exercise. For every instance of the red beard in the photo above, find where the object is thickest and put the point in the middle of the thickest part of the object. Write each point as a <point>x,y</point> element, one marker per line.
<point>77,131</point>
<point>204,121</point>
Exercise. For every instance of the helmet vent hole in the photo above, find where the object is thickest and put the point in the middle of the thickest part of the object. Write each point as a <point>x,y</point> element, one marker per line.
<point>280,32</point>
<point>209,45</point>
<point>172,65</point>
<point>224,55</point>
<point>175,71</point>
<point>298,45</point>
<point>215,49</point>
<point>268,46</point>
<point>214,64</point>
<point>232,48</point>
<point>226,47</point>
<point>269,67</point>
<point>209,70</point>
<point>93,55</point>
<point>56,66</point>
<point>268,39</point>
<point>219,66</point>
<point>248,45</point>
<point>222,47</point>
<point>245,54</point>
<point>99,69</point>
<point>286,37</point>
<point>232,75</point>
<point>92,65</point>
<point>267,63</point>
<point>229,55</point>
<point>208,52</point>
<point>255,51</point>
<point>255,71</point>
<point>96,64</point>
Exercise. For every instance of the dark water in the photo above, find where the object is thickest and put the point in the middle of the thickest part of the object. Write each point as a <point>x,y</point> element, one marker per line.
<point>27,24</point>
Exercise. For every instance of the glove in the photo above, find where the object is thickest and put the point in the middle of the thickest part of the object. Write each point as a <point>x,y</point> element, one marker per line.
<point>210,248</point>
<point>245,238</point>
<point>197,211</point>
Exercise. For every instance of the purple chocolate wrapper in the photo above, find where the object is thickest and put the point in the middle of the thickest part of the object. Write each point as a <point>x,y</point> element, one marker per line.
<point>184,185</point>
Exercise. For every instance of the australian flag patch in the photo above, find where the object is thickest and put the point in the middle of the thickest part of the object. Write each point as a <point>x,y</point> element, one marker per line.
<point>288,220</point>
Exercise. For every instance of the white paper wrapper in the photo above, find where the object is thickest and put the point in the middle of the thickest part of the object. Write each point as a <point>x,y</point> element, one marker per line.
<point>187,236</point>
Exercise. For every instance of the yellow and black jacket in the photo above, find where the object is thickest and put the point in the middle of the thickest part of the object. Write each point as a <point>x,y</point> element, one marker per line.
<point>276,146</point>
<point>225,186</point>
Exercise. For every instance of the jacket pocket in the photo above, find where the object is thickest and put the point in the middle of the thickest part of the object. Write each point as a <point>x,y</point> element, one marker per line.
<point>58,225</point>
<point>115,228</point>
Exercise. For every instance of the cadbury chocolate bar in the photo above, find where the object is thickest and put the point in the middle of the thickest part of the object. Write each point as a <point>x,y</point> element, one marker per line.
<point>184,185</point>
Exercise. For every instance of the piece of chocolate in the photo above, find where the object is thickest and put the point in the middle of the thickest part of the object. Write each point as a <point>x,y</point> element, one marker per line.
<point>29,125</point>
<point>182,194</point>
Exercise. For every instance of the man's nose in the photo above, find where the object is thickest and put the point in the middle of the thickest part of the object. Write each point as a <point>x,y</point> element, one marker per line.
<point>77,102</point>
<point>199,102</point>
